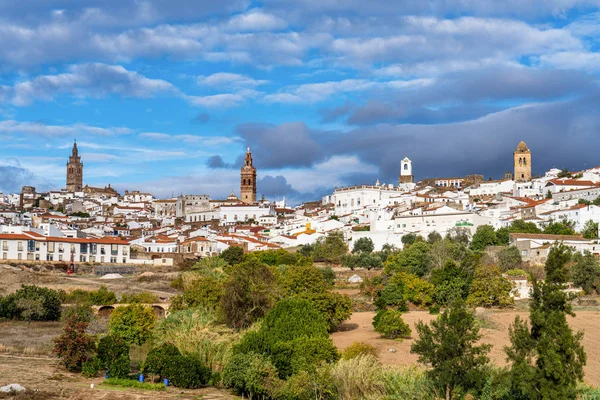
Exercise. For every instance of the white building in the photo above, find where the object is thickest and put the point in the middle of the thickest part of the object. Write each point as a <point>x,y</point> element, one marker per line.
<point>232,214</point>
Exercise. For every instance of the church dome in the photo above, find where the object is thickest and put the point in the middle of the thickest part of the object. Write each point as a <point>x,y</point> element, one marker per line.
<point>522,147</point>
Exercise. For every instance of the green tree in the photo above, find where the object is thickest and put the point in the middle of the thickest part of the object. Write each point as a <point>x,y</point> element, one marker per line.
<point>489,288</point>
<point>330,248</point>
<point>451,283</point>
<point>390,325</point>
<point>510,258</point>
<point>33,303</point>
<point>585,272</point>
<point>564,173</point>
<point>596,201</point>
<point>414,259</point>
<point>113,354</point>
<point>559,228</point>
<point>459,234</point>
<point>484,236</point>
<point>549,194</point>
<point>249,293</point>
<point>547,359</point>
<point>363,245</point>
<point>233,255</point>
<point>433,237</point>
<point>521,226</point>
<point>408,239</point>
<point>590,230</point>
<point>133,323</point>
<point>448,347</point>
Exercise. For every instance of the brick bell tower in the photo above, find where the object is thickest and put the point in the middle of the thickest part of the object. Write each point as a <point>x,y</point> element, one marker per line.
<point>74,171</point>
<point>248,180</point>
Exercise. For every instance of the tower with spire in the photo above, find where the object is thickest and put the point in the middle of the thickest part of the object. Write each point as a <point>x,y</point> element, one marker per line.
<point>74,171</point>
<point>248,180</point>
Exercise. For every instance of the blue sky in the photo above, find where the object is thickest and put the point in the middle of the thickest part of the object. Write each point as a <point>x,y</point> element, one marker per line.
<point>166,95</point>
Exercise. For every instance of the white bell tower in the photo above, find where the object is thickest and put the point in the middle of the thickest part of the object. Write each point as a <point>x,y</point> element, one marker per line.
<point>406,174</point>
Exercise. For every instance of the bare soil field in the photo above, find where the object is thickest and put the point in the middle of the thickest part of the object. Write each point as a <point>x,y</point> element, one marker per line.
<point>360,329</point>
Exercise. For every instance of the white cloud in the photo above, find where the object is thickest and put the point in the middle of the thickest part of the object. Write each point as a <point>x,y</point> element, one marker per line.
<point>572,60</point>
<point>229,80</point>
<point>255,20</point>
<point>189,138</point>
<point>90,80</point>
<point>41,129</point>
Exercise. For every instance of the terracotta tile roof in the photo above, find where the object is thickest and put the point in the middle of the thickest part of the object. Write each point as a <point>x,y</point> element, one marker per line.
<point>570,182</point>
<point>543,236</point>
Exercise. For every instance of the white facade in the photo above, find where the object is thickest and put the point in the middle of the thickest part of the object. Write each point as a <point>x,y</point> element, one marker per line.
<point>491,188</point>
<point>230,215</point>
<point>406,167</point>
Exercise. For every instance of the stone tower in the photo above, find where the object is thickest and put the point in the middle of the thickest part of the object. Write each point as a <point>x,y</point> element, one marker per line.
<point>74,171</point>
<point>248,180</point>
<point>522,158</point>
<point>406,175</point>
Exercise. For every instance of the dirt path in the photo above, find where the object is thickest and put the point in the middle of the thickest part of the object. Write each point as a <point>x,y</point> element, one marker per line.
<point>360,329</point>
<point>46,375</point>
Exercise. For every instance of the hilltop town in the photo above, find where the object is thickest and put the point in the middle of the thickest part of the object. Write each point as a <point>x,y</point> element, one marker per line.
<point>85,224</point>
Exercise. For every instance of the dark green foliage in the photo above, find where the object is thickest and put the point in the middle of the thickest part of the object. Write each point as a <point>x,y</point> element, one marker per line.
<point>521,226</point>
<point>510,258</point>
<point>250,292</point>
<point>484,236</point>
<point>451,283</point>
<point>133,323</point>
<point>416,290</point>
<point>560,228</point>
<point>205,292</point>
<point>330,249</point>
<point>547,359</point>
<point>303,279</point>
<point>90,367</point>
<point>157,358</point>
<point>294,335</point>
<point>489,288</point>
<point>81,313</point>
<point>564,173</point>
<point>113,353</point>
<point>415,259</point>
<point>448,347</point>
<point>32,303</point>
<point>251,374</point>
<point>391,295</point>
<point>306,250</point>
<point>233,255</point>
<point>590,230</point>
<point>276,257</point>
<point>335,307</point>
<point>363,245</point>
<point>390,325</point>
<point>74,346</point>
<point>362,260</point>
<point>100,297</point>
<point>328,275</point>
<point>433,237</point>
<point>586,272</point>
<point>459,235</point>
<point>408,239</point>
<point>185,371</point>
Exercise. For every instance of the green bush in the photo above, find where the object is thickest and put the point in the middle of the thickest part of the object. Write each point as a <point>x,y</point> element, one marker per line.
<point>302,354</point>
<point>90,368</point>
<point>186,371</point>
<point>113,353</point>
<point>157,358</point>
<point>133,323</point>
<point>252,375</point>
<point>490,289</point>
<point>328,275</point>
<point>233,255</point>
<point>141,297</point>
<point>415,259</point>
<point>204,292</point>
<point>390,325</point>
<point>358,349</point>
<point>309,386</point>
<point>32,303</point>
<point>100,297</point>
<point>81,312</point>
<point>392,295</point>
<point>335,307</point>
<point>415,290</point>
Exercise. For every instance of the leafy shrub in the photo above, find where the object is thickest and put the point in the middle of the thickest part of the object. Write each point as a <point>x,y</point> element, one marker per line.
<point>392,295</point>
<point>141,297</point>
<point>510,258</point>
<point>113,353</point>
<point>251,374</point>
<point>33,303</point>
<point>309,385</point>
<point>451,282</point>
<point>330,248</point>
<point>74,346</point>
<point>249,293</point>
<point>81,312</point>
<point>133,323</point>
<point>186,371</point>
<point>363,245</point>
<point>233,255</point>
<point>415,259</point>
<point>100,297</point>
<point>390,325</point>
<point>204,292</point>
<point>90,367</point>
<point>415,290</point>
<point>302,354</point>
<point>335,307</point>
<point>157,359</point>
<point>358,349</point>
<point>328,275</point>
<point>490,289</point>
<point>303,279</point>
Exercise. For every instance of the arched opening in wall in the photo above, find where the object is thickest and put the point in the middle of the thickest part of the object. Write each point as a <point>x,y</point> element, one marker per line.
<point>159,311</point>
<point>105,311</point>
<point>406,167</point>
<point>524,161</point>
<point>520,161</point>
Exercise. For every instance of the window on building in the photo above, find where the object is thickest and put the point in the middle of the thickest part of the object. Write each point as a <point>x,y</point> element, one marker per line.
<point>37,246</point>
<point>5,256</point>
<point>20,246</point>
<point>51,246</point>
<point>19,256</point>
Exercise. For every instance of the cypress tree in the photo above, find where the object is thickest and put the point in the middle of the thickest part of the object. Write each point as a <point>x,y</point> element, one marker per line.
<point>547,359</point>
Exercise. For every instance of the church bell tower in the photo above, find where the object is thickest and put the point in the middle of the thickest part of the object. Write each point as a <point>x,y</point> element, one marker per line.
<point>248,180</point>
<point>522,159</point>
<point>74,171</point>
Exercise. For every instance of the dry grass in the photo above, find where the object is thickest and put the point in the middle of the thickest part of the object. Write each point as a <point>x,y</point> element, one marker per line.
<point>25,338</point>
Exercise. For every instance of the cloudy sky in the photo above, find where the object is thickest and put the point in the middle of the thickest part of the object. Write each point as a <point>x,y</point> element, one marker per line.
<point>165,95</point>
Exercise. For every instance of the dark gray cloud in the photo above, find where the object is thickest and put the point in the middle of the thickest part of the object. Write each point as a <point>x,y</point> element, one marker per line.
<point>281,146</point>
<point>469,95</point>
<point>217,162</point>
<point>13,178</point>
<point>201,118</point>
<point>333,114</point>
<point>275,186</point>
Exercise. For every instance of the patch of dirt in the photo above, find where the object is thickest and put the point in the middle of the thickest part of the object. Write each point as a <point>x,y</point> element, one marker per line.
<point>359,328</point>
